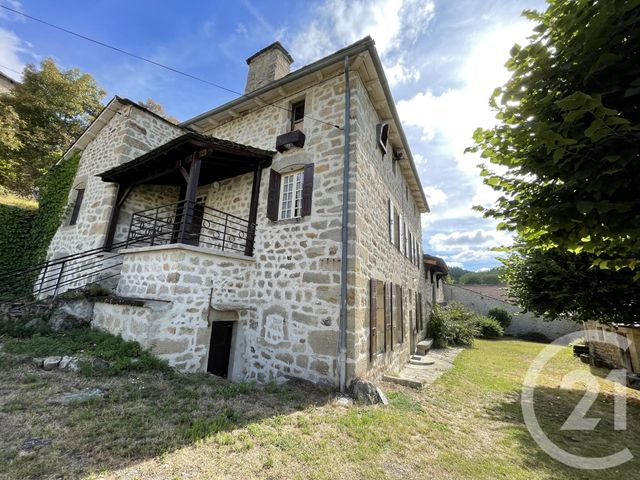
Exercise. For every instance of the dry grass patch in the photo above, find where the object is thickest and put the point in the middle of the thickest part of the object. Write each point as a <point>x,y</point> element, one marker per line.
<point>160,425</point>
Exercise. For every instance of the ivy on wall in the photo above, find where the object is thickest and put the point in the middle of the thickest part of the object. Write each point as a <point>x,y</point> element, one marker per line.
<point>25,234</point>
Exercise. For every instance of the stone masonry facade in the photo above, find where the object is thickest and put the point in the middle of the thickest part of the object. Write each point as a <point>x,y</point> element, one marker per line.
<point>284,300</point>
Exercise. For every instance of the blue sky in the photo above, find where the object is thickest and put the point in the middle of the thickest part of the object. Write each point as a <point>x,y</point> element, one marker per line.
<point>443,58</point>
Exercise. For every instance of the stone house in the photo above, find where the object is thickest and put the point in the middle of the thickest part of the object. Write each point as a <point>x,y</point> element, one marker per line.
<point>6,83</point>
<point>222,237</point>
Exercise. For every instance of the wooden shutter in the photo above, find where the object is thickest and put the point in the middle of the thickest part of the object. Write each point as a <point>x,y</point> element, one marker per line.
<point>76,206</point>
<point>373,339</point>
<point>390,219</point>
<point>273,199</point>
<point>307,190</point>
<point>400,318</point>
<point>388,321</point>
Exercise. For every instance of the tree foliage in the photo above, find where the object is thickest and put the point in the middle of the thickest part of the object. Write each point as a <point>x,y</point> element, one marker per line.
<point>567,144</point>
<point>40,118</point>
<point>157,108</point>
<point>556,283</point>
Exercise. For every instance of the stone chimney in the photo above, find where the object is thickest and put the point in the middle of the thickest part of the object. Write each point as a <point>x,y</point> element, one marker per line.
<point>269,64</point>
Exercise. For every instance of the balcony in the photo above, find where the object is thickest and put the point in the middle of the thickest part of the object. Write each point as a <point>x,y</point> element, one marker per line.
<point>192,223</point>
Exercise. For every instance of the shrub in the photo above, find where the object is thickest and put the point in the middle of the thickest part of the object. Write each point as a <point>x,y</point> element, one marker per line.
<point>489,327</point>
<point>452,325</point>
<point>502,316</point>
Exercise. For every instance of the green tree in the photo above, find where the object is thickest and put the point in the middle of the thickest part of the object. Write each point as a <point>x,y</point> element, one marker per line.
<point>568,141</point>
<point>40,118</point>
<point>556,283</point>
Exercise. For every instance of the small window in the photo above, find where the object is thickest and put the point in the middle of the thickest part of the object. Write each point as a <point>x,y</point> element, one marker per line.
<point>297,116</point>
<point>76,206</point>
<point>291,195</point>
<point>382,134</point>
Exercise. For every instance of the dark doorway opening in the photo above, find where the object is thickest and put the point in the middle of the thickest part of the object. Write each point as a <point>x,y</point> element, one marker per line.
<point>220,348</point>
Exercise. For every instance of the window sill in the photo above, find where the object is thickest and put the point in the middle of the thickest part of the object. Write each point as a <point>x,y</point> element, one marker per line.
<point>288,221</point>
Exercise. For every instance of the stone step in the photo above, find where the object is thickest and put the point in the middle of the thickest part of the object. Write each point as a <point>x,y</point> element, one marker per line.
<point>422,348</point>
<point>407,382</point>
<point>420,360</point>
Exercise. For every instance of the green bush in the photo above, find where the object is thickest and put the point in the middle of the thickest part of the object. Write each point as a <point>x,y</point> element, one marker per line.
<point>502,316</point>
<point>25,234</point>
<point>489,327</point>
<point>452,325</point>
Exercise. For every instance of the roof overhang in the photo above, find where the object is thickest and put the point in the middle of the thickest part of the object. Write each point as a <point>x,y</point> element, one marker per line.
<point>364,59</point>
<point>162,166</point>
<point>102,119</point>
<point>435,264</point>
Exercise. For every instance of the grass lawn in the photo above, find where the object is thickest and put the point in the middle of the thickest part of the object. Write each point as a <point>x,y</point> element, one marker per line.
<point>157,424</point>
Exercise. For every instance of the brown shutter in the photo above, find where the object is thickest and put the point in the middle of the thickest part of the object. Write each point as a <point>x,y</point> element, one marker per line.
<point>401,315</point>
<point>390,219</point>
<point>307,190</point>
<point>373,340</point>
<point>273,198</point>
<point>76,206</point>
<point>388,321</point>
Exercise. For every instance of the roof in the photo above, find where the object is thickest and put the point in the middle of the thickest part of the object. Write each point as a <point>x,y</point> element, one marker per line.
<point>435,263</point>
<point>370,66</point>
<point>276,45</point>
<point>220,159</point>
<point>8,78</point>
<point>103,118</point>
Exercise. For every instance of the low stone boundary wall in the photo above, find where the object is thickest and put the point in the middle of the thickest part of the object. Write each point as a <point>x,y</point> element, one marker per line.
<point>522,323</point>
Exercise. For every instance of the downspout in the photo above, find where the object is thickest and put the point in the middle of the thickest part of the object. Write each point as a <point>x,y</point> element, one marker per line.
<point>342,349</point>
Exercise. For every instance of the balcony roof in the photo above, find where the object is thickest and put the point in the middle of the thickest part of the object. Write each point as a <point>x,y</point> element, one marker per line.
<point>162,166</point>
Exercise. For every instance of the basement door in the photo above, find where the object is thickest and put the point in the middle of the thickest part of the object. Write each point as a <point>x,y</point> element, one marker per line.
<point>220,348</point>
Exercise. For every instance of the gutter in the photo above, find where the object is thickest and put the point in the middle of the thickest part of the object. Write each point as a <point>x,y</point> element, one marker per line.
<point>342,347</point>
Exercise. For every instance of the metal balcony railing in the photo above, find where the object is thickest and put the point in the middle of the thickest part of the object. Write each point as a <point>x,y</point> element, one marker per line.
<point>192,223</point>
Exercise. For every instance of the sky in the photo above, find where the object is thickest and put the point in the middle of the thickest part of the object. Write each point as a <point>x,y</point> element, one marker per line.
<point>443,58</point>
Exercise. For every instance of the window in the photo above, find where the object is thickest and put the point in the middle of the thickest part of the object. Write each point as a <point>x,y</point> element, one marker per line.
<point>402,232</point>
<point>396,232</point>
<point>388,318</point>
<point>297,116</point>
<point>382,135</point>
<point>377,318</point>
<point>290,194</point>
<point>76,206</point>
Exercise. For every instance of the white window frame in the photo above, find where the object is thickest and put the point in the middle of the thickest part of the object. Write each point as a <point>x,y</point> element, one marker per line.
<point>296,198</point>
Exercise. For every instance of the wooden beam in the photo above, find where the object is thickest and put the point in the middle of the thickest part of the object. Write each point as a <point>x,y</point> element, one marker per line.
<point>253,210</point>
<point>282,92</point>
<point>190,200</point>
<point>121,196</point>
<point>319,76</point>
<point>233,113</point>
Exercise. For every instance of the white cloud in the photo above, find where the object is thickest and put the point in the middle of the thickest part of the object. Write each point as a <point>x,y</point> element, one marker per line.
<point>395,25</point>
<point>10,47</point>
<point>452,116</point>
<point>435,196</point>
<point>458,242</point>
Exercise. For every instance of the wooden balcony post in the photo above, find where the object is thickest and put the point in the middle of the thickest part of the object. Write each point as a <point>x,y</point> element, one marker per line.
<point>253,210</point>
<point>190,201</point>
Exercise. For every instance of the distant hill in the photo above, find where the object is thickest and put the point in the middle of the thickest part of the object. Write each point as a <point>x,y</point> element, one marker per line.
<point>461,276</point>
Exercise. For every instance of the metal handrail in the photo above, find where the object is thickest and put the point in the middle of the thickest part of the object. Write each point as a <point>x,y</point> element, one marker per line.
<point>180,222</point>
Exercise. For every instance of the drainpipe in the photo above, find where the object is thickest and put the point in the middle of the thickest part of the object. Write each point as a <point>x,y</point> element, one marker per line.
<point>342,349</point>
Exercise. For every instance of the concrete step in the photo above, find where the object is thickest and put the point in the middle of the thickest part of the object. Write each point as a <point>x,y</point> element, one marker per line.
<point>422,348</point>
<point>407,382</point>
<point>420,360</point>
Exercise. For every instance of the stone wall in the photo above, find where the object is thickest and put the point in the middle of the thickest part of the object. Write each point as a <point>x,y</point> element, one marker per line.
<point>521,324</point>
<point>130,133</point>
<point>377,181</point>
